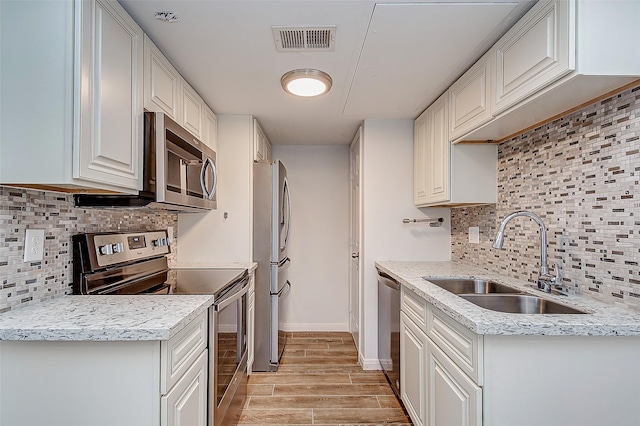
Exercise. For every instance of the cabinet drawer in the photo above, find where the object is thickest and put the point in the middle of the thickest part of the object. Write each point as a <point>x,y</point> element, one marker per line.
<point>461,345</point>
<point>415,307</point>
<point>178,353</point>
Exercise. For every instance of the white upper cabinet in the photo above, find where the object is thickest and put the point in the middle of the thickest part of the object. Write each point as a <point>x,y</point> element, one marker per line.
<point>560,55</point>
<point>162,83</point>
<point>437,151</point>
<point>536,52</point>
<point>110,143</point>
<point>261,145</point>
<point>192,111</point>
<point>448,174</point>
<point>210,133</point>
<point>71,107</point>
<point>165,90</point>
<point>469,99</point>
<point>420,160</point>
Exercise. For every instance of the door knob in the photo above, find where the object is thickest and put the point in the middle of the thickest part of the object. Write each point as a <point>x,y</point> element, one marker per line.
<point>355,255</point>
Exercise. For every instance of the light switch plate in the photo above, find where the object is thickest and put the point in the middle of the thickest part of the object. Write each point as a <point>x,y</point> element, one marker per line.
<point>474,235</point>
<point>34,245</point>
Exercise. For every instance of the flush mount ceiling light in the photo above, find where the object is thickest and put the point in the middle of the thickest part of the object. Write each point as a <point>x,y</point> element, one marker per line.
<point>306,82</point>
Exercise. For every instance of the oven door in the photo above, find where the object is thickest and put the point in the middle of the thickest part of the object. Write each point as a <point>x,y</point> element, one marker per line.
<point>229,372</point>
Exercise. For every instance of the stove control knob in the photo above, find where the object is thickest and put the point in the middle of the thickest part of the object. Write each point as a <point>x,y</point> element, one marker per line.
<point>161,242</point>
<point>118,248</point>
<point>106,249</point>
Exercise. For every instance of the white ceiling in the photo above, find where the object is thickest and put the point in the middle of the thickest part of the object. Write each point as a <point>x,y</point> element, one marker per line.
<point>391,59</point>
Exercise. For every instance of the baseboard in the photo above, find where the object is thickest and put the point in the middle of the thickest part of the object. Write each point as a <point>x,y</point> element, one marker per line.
<point>369,364</point>
<point>315,327</point>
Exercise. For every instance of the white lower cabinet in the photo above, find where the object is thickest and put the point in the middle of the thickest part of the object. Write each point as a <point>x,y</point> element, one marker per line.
<point>452,397</point>
<point>434,391</point>
<point>413,377</point>
<point>451,376</point>
<point>107,383</point>
<point>186,403</point>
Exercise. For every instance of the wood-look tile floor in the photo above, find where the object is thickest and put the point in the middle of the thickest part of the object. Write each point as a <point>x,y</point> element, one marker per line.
<point>320,382</point>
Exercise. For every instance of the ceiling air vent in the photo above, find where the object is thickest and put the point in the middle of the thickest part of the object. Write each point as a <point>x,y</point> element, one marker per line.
<point>305,39</point>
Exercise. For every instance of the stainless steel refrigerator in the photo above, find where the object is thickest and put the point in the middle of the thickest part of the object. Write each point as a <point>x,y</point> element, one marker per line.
<point>271,230</point>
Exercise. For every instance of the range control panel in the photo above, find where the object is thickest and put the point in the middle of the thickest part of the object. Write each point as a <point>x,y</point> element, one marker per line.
<point>111,249</point>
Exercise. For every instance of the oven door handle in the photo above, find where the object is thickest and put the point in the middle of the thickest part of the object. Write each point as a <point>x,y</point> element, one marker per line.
<point>220,305</point>
<point>126,282</point>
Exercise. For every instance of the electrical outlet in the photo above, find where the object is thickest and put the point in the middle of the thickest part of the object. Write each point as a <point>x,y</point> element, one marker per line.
<point>34,245</point>
<point>474,235</point>
<point>170,233</point>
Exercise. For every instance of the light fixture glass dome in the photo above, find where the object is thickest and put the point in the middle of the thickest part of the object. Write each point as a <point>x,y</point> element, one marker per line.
<point>306,82</point>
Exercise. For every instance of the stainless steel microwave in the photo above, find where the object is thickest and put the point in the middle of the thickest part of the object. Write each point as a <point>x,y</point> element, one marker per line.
<point>179,171</point>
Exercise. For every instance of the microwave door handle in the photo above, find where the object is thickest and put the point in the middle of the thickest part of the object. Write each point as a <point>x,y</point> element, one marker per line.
<point>208,163</point>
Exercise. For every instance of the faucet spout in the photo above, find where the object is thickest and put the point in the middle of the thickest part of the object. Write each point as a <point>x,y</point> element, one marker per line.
<point>545,280</point>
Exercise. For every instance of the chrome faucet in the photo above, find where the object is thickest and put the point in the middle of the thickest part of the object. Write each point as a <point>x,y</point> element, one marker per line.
<point>545,279</point>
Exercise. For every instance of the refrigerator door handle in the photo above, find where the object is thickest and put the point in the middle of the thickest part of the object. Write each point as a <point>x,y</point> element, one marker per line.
<point>284,263</point>
<point>286,214</point>
<point>285,290</point>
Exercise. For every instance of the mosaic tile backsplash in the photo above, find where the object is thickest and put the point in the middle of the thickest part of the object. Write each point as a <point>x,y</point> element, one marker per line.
<point>27,283</point>
<point>581,175</point>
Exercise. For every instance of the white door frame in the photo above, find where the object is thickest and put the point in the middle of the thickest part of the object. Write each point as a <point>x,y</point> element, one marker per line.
<point>355,233</point>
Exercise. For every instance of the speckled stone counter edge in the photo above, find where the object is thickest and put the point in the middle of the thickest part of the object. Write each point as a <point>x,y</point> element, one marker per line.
<point>104,318</point>
<point>601,319</point>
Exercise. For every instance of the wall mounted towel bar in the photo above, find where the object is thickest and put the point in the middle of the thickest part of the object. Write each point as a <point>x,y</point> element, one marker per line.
<point>432,221</point>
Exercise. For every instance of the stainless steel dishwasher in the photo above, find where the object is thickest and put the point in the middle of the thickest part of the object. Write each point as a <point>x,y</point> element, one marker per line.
<point>389,329</point>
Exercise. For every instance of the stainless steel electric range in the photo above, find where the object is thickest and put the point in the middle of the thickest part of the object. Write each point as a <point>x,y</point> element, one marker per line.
<point>136,263</point>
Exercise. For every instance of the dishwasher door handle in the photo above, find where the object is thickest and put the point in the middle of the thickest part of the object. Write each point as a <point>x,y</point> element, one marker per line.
<point>388,281</point>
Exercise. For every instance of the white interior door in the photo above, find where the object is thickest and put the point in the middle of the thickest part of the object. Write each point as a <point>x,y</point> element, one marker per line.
<point>355,226</point>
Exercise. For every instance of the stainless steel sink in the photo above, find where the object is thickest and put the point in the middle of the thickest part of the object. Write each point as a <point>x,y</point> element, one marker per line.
<point>470,286</point>
<point>519,304</point>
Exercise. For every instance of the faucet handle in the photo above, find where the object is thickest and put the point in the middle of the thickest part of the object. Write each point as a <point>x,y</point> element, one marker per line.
<point>557,266</point>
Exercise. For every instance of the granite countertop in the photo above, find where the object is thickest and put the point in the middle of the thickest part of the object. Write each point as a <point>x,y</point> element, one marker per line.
<point>601,320</point>
<point>104,318</point>
<point>110,318</point>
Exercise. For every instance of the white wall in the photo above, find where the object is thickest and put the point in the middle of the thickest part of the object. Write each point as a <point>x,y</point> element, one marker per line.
<point>387,199</point>
<point>209,237</point>
<point>319,248</point>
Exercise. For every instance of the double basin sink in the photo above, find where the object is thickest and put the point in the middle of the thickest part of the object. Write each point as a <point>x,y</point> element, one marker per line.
<point>498,297</point>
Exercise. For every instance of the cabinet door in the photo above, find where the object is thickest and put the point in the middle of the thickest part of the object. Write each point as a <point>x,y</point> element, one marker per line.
<point>469,105</point>
<point>259,142</point>
<point>438,151</point>
<point>210,129</point>
<point>109,146</point>
<point>535,52</point>
<point>420,160</point>
<point>453,399</point>
<point>162,83</point>
<point>413,354</point>
<point>186,403</point>
<point>267,149</point>
<point>192,111</point>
